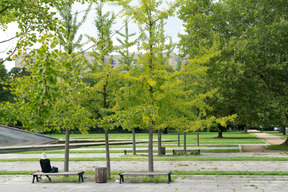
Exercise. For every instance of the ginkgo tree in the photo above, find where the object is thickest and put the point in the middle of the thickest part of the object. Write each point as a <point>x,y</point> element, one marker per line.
<point>70,43</point>
<point>99,98</point>
<point>192,111</point>
<point>147,85</point>
<point>42,97</point>
<point>128,61</point>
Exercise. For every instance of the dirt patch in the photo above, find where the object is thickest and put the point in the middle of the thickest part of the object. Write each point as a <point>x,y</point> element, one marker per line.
<point>255,148</point>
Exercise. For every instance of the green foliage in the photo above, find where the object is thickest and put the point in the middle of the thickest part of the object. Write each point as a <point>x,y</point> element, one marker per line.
<point>127,58</point>
<point>248,72</point>
<point>71,26</point>
<point>48,95</point>
<point>4,92</point>
<point>104,44</point>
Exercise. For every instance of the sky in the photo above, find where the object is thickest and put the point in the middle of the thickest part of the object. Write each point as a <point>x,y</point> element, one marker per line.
<point>172,28</point>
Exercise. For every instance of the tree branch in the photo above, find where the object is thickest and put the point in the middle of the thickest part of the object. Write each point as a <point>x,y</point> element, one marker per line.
<point>5,8</point>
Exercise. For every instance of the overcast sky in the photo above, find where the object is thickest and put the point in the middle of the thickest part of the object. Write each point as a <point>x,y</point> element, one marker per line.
<point>172,28</point>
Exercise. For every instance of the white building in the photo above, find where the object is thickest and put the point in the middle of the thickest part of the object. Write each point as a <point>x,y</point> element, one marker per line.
<point>114,60</point>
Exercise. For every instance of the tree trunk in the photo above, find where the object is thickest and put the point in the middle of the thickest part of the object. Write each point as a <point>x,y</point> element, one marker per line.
<point>159,142</point>
<point>245,129</point>
<point>150,151</point>
<point>283,129</point>
<point>198,137</point>
<point>107,154</point>
<point>185,143</point>
<point>165,131</point>
<point>66,159</point>
<point>178,139</point>
<point>220,135</point>
<point>134,141</point>
<point>285,142</point>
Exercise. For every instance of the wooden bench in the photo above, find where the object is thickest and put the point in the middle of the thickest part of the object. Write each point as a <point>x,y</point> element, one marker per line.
<point>188,152</point>
<point>37,174</point>
<point>131,151</point>
<point>144,174</point>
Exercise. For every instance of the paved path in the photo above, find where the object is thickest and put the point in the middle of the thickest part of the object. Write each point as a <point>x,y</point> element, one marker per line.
<point>196,183</point>
<point>271,139</point>
<point>158,165</point>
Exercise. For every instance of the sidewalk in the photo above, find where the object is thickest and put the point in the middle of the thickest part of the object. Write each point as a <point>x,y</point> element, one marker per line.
<point>271,139</point>
<point>196,183</point>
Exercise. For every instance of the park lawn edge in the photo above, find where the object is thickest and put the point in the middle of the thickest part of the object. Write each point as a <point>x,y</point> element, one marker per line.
<point>122,151</point>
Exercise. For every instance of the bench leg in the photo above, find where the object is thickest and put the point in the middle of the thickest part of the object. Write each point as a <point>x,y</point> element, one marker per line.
<point>34,178</point>
<point>48,177</point>
<point>169,178</point>
<point>121,179</point>
<point>81,178</point>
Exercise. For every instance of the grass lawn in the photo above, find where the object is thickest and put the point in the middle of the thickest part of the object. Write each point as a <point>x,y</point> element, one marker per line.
<point>276,133</point>
<point>230,137</point>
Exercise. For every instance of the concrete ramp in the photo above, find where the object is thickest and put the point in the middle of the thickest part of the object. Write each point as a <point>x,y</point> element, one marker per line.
<point>10,136</point>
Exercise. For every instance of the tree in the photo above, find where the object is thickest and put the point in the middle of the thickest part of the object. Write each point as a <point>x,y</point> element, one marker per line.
<point>31,16</point>
<point>102,75</point>
<point>127,65</point>
<point>127,57</point>
<point>68,41</point>
<point>103,23</point>
<point>164,51</point>
<point>244,65</point>
<point>147,86</point>
<point>4,94</point>
<point>41,98</point>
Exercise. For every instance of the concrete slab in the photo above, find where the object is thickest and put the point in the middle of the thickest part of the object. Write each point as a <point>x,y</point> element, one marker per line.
<point>181,184</point>
<point>10,136</point>
<point>158,165</point>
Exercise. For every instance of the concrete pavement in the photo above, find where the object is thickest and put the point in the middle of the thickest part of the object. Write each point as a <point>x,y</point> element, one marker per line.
<point>271,139</point>
<point>196,183</point>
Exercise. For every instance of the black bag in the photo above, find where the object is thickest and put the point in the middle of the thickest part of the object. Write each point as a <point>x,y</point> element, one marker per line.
<point>54,170</point>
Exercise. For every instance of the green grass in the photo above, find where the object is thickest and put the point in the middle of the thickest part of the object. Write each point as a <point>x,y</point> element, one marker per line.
<point>122,151</point>
<point>161,158</point>
<point>278,147</point>
<point>276,133</point>
<point>64,179</point>
<point>146,179</point>
<point>230,137</point>
<point>164,145</point>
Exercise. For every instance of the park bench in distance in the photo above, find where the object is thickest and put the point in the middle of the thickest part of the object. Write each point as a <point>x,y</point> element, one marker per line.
<point>37,174</point>
<point>188,152</point>
<point>144,174</point>
<point>131,151</point>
